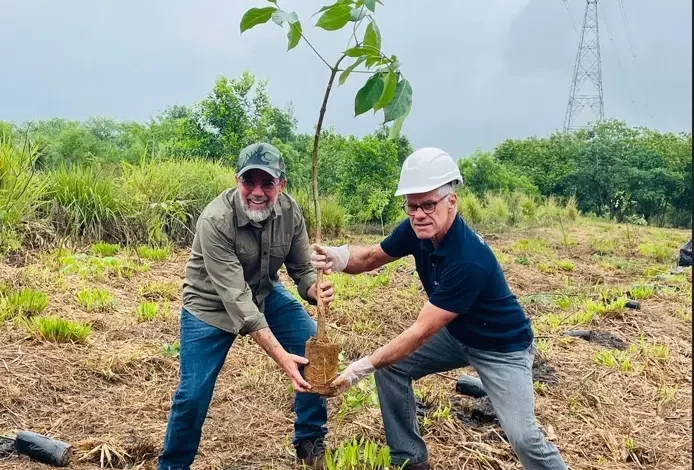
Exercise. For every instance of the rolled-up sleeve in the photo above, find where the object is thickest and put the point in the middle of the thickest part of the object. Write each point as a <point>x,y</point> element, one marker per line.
<point>298,260</point>
<point>226,275</point>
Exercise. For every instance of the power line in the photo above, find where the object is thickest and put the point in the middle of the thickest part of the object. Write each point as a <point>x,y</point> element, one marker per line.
<point>626,27</point>
<point>571,15</point>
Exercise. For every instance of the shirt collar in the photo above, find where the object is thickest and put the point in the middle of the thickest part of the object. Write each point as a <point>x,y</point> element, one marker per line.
<point>449,241</point>
<point>242,219</point>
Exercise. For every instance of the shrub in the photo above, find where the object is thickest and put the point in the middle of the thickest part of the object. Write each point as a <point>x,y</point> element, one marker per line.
<point>470,208</point>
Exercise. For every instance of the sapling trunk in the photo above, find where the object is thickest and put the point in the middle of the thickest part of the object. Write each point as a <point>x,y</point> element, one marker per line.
<point>322,308</point>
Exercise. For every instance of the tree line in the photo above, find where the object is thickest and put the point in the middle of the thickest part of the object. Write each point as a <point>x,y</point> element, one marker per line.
<point>627,174</point>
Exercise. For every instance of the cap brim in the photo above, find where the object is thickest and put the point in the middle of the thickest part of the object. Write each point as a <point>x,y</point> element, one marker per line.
<point>274,172</point>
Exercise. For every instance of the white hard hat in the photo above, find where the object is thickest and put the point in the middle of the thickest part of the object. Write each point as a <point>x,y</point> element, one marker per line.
<point>427,169</point>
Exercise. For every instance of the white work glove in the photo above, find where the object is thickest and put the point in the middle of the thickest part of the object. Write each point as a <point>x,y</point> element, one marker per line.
<point>330,258</point>
<point>351,375</point>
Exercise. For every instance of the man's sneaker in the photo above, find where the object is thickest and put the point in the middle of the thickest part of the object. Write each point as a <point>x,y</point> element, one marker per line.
<point>311,453</point>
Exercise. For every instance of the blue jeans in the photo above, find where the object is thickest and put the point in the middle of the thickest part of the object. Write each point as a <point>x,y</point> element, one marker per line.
<point>507,379</point>
<point>203,351</point>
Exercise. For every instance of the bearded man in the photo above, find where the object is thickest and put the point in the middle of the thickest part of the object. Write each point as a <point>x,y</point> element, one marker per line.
<point>232,288</point>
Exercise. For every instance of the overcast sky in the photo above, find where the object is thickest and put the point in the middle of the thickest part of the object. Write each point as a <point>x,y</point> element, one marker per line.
<point>481,70</point>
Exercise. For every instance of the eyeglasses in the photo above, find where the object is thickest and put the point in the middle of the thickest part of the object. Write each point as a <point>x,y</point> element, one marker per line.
<point>427,206</point>
<point>265,185</point>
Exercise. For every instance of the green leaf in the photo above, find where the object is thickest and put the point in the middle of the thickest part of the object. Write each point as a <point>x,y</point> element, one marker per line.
<point>369,94</point>
<point>372,36</point>
<point>401,103</point>
<point>273,1</point>
<point>371,5</point>
<point>348,70</point>
<point>397,127</point>
<point>281,16</point>
<point>367,51</point>
<point>335,17</point>
<point>294,35</point>
<point>256,16</point>
<point>391,82</point>
<point>357,14</point>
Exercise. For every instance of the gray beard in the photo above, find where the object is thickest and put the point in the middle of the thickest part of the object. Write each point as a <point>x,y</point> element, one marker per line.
<point>255,215</point>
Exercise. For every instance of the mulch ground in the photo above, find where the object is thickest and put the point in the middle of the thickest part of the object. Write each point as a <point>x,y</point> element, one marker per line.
<point>110,398</point>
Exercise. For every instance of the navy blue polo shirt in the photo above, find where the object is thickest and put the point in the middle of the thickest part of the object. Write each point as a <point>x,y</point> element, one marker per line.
<point>463,276</point>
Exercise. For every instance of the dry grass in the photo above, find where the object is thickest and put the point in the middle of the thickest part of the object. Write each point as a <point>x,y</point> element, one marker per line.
<point>110,397</point>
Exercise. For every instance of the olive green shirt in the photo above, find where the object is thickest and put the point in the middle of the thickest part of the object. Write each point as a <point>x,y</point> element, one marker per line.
<point>235,262</point>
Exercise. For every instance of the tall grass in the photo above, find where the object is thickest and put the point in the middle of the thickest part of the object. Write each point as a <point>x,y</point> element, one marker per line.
<point>20,192</point>
<point>85,202</point>
<point>496,211</point>
<point>334,217</point>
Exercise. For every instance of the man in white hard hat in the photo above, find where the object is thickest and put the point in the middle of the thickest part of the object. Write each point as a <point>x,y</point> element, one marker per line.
<point>471,318</point>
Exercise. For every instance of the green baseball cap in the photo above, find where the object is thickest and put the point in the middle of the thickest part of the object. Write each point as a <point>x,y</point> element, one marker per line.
<point>261,156</point>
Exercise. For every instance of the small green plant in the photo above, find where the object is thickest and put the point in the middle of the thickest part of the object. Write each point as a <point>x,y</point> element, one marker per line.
<point>363,394</point>
<point>105,249</point>
<point>649,352</point>
<point>526,246</point>
<point>642,292</point>
<point>58,330</point>
<point>546,268</point>
<point>95,299</point>
<point>523,260</point>
<point>542,345</point>
<point>614,358</point>
<point>565,265</point>
<point>684,314</point>
<point>159,290</point>
<point>153,253</point>
<point>22,303</point>
<point>541,388</point>
<point>94,267</point>
<point>359,454</point>
<point>147,311</point>
<point>171,350</point>
<point>607,308</point>
<point>564,302</point>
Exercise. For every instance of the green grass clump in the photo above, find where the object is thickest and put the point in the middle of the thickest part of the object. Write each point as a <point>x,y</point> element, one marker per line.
<point>58,330</point>
<point>602,246</point>
<point>147,311</point>
<point>527,246</point>
<point>96,300</point>
<point>94,267</point>
<point>565,265</point>
<point>615,359</point>
<point>159,290</point>
<point>153,253</point>
<point>658,252</point>
<point>105,249</point>
<point>359,455</point>
<point>642,292</point>
<point>22,303</point>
